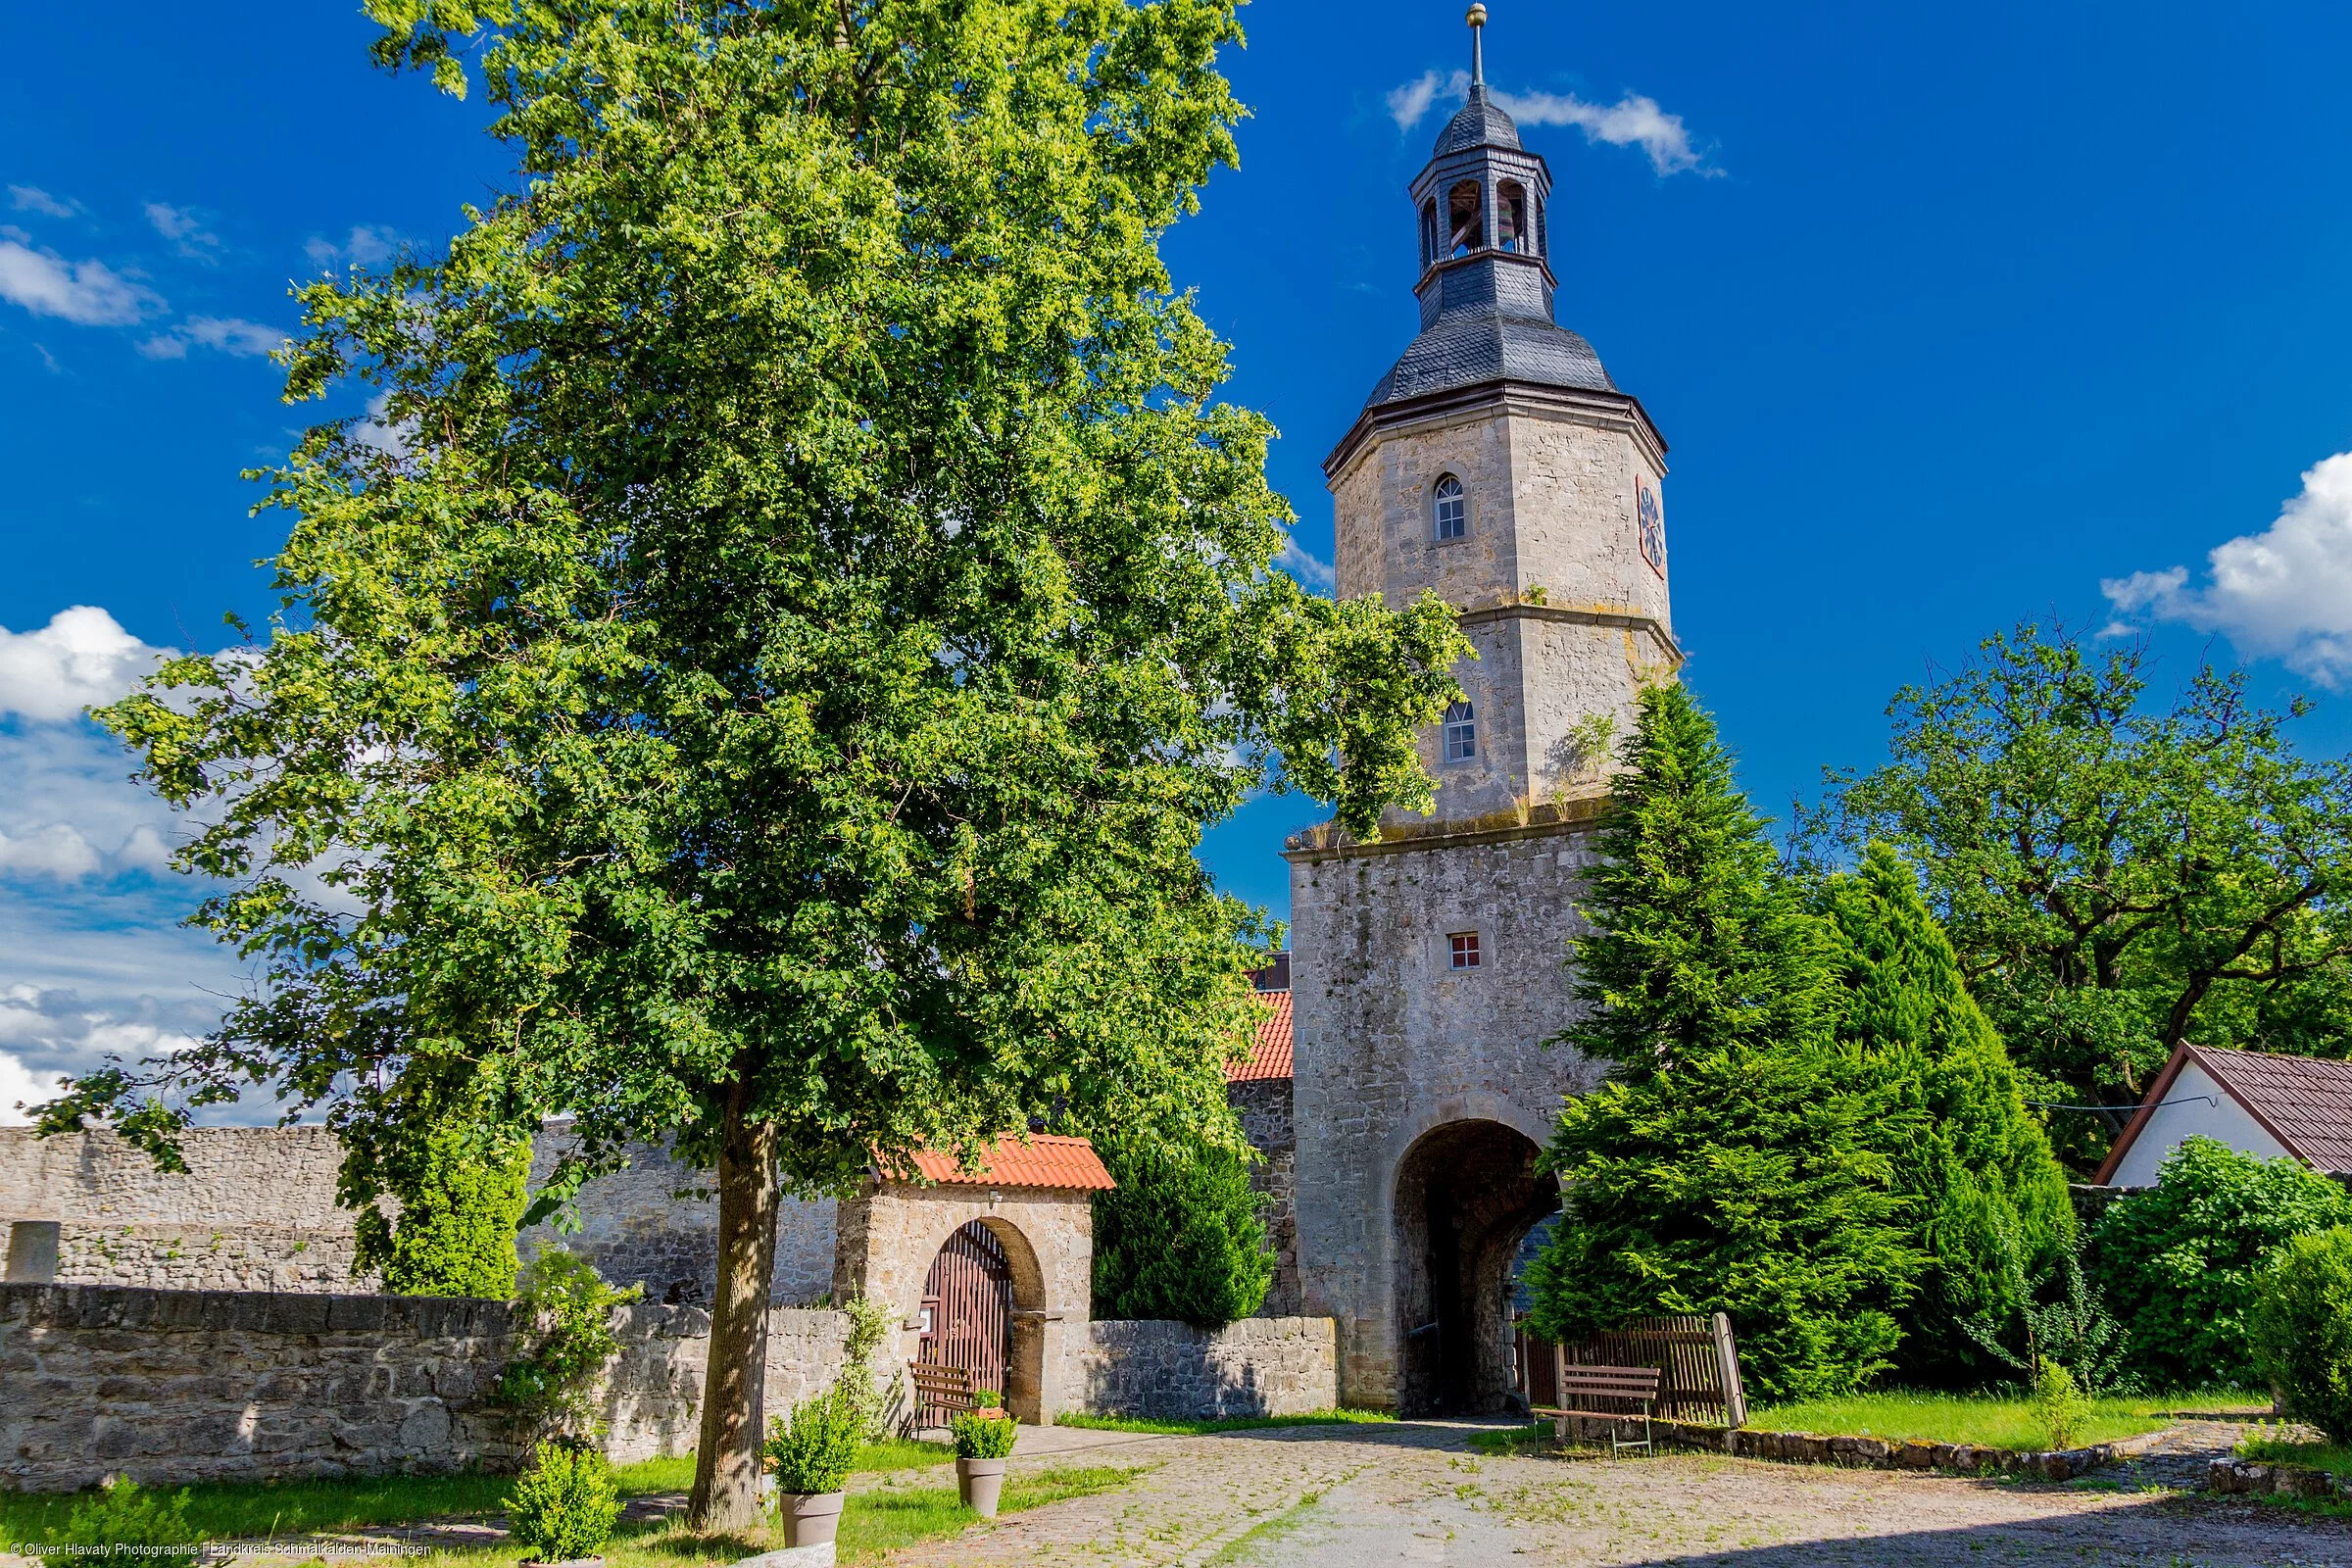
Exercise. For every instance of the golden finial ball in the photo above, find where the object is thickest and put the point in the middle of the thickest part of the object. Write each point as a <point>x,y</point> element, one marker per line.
<point>1478,16</point>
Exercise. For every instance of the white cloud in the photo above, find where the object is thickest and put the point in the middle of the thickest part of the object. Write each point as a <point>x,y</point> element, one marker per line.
<point>364,246</point>
<point>2285,593</point>
<point>1311,569</point>
<point>21,1086</point>
<point>82,657</point>
<point>229,334</point>
<point>1409,102</point>
<point>167,346</point>
<point>184,230</point>
<point>33,199</point>
<point>55,852</point>
<point>86,293</point>
<point>395,438</point>
<point>1632,121</point>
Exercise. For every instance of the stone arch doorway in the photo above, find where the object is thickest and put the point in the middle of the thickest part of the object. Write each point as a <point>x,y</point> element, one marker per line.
<point>983,1311</point>
<point>1467,1194</point>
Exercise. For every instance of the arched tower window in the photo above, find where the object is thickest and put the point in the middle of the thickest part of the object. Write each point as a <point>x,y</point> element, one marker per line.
<point>1510,216</point>
<point>1449,509</point>
<point>1461,733</point>
<point>1429,231</point>
<point>1465,218</point>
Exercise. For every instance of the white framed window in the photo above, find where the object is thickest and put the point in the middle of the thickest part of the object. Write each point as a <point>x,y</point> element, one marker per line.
<point>1449,509</point>
<point>1465,950</point>
<point>1461,733</point>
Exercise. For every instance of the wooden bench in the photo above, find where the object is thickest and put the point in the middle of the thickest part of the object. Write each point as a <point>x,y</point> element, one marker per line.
<point>1583,1389</point>
<point>945,1389</point>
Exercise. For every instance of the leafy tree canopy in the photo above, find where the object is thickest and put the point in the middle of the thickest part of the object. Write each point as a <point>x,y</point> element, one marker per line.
<point>2115,878</point>
<point>766,674</point>
<point>1989,1205</point>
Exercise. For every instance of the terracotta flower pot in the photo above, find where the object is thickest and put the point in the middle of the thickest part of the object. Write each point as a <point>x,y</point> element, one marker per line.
<point>982,1483</point>
<point>810,1517</point>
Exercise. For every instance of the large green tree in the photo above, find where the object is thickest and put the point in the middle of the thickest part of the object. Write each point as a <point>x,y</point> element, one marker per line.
<point>762,679</point>
<point>1986,1194</point>
<point>2116,877</point>
<point>1731,1162</point>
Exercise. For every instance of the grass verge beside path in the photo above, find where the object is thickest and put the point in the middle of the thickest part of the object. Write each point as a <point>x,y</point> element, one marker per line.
<point>2273,1445</point>
<point>1994,1422</point>
<point>1230,1423</point>
<point>878,1522</point>
<point>249,1510</point>
<point>1983,1419</point>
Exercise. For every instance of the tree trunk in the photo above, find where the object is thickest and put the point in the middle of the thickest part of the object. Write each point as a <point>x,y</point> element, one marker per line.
<point>726,1460</point>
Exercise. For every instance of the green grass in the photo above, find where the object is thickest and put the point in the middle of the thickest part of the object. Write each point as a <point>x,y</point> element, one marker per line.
<point>1993,1421</point>
<point>2272,1445</point>
<point>877,1522</point>
<point>1533,1438</point>
<point>1230,1423</point>
<point>222,1512</point>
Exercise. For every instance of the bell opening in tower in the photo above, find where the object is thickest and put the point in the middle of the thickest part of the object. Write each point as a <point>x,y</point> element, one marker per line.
<point>1510,216</point>
<point>1465,218</point>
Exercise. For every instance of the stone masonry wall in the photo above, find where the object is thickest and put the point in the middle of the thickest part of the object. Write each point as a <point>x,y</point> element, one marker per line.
<point>1258,1367</point>
<point>255,1212</point>
<point>172,1387</point>
<point>183,1386</point>
<point>1392,1044</point>
<point>1263,1106</point>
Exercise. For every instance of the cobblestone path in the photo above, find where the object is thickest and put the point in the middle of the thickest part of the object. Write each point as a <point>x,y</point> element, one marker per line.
<point>1355,1497</point>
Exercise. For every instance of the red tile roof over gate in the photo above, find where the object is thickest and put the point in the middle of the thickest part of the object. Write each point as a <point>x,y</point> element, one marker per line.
<point>1270,1054</point>
<point>1045,1160</point>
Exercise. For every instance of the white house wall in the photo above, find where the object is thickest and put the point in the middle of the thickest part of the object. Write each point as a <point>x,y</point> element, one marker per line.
<point>2182,1116</point>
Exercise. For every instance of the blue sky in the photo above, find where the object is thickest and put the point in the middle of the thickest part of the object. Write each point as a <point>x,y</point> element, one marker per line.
<point>1951,315</point>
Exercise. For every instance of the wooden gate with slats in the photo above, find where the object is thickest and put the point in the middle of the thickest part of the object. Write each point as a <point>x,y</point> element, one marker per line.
<point>1698,1358</point>
<point>967,1305</point>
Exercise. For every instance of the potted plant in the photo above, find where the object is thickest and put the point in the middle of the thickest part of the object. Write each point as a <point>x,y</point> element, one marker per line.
<point>563,1505</point>
<point>810,1453</point>
<point>983,1437</point>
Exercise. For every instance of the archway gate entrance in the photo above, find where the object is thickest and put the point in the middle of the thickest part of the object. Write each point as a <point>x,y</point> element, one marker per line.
<point>966,1316</point>
<point>1467,1194</point>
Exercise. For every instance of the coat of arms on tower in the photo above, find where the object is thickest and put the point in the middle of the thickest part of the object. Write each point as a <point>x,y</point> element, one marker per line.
<point>1652,519</point>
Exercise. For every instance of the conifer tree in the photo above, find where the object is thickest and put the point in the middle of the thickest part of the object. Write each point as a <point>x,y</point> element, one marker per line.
<point>1976,1164</point>
<point>459,1204</point>
<point>1181,1236</point>
<point>1728,1165</point>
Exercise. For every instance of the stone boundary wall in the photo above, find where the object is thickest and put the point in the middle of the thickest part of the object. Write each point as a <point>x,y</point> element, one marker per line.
<point>1885,1454</point>
<point>172,1387</point>
<point>205,1258</point>
<point>1257,1366</point>
<point>182,1385</point>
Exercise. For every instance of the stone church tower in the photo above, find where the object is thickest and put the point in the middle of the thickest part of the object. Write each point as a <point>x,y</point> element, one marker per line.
<point>1497,464</point>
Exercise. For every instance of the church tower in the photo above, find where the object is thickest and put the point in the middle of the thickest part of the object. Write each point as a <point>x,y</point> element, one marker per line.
<point>1497,464</point>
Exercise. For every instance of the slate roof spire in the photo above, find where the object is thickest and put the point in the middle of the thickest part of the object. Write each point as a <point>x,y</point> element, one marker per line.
<point>1486,282</point>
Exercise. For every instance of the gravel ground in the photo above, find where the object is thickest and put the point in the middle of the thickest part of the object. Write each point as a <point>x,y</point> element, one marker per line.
<point>1351,1496</point>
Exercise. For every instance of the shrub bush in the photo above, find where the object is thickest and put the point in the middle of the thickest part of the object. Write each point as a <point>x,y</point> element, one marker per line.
<point>563,1505</point>
<point>814,1448</point>
<point>2059,1404</point>
<point>983,1434</point>
<point>122,1513</point>
<point>2300,1328</point>
<point>1181,1236</point>
<point>568,1307</point>
<point>2179,1262</point>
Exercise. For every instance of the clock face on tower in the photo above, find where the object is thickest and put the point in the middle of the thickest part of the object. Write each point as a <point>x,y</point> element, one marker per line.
<point>1651,518</point>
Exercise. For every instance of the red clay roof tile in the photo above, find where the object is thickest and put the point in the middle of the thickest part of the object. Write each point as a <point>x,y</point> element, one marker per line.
<point>1045,1160</point>
<point>1270,1055</point>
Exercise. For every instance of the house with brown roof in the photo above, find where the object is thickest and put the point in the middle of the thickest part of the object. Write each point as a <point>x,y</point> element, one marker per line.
<point>2255,1102</point>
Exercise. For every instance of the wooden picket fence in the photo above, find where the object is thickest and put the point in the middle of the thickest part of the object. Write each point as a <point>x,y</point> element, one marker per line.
<point>1697,1357</point>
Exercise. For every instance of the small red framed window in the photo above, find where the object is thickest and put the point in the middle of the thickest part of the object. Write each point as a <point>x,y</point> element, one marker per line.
<point>1465,950</point>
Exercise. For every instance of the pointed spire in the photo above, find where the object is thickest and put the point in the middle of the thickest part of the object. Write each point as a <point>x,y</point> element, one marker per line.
<point>1478,48</point>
